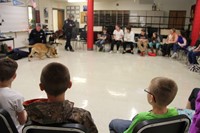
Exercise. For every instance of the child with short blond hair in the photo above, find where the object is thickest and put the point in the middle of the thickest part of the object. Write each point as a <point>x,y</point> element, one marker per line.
<point>160,93</point>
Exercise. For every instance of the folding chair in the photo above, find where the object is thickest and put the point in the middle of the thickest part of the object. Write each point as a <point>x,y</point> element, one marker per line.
<point>176,124</point>
<point>6,123</point>
<point>32,127</point>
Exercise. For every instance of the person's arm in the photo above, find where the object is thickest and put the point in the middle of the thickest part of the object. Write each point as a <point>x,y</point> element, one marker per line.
<point>122,34</point>
<point>22,117</point>
<point>184,43</point>
<point>167,40</point>
<point>175,39</point>
<point>44,40</point>
<point>19,109</point>
<point>132,37</point>
<point>73,24</point>
<point>104,37</point>
<point>31,38</point>
<point>135,121</point>
<point>84,117</point>
<point>125,37</point>
<point>114,36</point>
<point>145,39</point>
<point>197,49</point>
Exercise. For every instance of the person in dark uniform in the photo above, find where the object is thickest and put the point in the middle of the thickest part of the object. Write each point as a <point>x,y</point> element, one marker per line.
<point>69,24</point>
<point>37,35</point>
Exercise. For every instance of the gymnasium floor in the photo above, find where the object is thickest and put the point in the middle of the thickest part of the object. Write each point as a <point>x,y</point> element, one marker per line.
<point>108,85</point>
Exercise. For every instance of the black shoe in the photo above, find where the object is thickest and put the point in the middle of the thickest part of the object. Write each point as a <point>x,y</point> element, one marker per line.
<point>101,48</point>
<point>72,50</point>
<point>123,52</point>
<point>132,52</point>
<point>66,49</point>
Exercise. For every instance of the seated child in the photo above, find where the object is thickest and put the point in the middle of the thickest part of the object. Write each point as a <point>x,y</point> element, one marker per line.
<point>10,100</point>
<point>154,44</point>
<point>118,36</point>
<point>101,39</point>
<point>128,39</point>
<point>142,42</point>
<point>160,94</point>
<point>55,80</point>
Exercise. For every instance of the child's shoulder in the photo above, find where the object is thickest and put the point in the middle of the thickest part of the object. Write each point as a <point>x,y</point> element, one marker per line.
<point>150,115</point>
<point>8,90</point>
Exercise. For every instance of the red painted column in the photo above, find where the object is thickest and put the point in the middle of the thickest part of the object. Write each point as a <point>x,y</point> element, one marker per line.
<point>90,24</point>
<point>196,24</point>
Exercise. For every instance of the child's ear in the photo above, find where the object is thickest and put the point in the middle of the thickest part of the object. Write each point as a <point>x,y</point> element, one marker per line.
<point>151,99</point>
<point>70,84</point>
<point>14,76</point>
<point>41,87</point>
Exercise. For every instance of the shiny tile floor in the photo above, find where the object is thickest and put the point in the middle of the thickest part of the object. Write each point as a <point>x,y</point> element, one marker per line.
<point>108,85</point>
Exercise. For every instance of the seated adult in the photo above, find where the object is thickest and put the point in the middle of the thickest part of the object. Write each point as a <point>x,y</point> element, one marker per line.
<point>181,43</point>
<point>128,39</point>
<point>118,35</point>
<point>142,42</point>
<point>37,35</point>
<point>55,80</point>
<point>154,44</point>
<point>192,56</point>
<point>101,39</point>
<point>171,40</point>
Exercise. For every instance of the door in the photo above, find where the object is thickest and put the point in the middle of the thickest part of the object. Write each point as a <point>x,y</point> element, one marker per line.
<point>60,19</point>
<point>177,19</point>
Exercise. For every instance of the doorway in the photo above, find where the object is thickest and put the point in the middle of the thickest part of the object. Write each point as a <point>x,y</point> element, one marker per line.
<point>177,19</point>
<point>58,19</point>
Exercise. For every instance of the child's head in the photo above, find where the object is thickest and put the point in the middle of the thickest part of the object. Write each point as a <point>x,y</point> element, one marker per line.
<point>173,30</point>
<point>143,31</point>
<point>162,91</point>
<point>154,34</point>
<point>117,27</point>
<point>104,30</point>
<point>128,29</point>
<point>55,79</point>
<point>8,69</point>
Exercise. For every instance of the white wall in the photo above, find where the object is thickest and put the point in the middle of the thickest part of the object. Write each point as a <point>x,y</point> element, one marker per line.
<point>50,4</point>
<point>164,5</point>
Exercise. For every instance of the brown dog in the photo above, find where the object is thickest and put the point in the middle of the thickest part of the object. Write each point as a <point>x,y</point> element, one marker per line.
<point>42,50</point>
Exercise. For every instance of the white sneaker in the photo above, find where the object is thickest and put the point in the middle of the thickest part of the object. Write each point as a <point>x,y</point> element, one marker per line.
<point>174,55</point>
<point>118,52</point>
<point>111,52</point>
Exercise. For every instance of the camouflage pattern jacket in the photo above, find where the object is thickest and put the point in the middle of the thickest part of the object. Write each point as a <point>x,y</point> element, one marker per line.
<point>43,112</point>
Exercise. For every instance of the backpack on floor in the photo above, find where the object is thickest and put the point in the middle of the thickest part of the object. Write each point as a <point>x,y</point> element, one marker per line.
<point>17,54</point>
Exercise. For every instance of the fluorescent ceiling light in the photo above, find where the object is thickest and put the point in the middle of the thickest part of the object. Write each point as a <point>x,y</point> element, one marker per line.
<point>73,1</point>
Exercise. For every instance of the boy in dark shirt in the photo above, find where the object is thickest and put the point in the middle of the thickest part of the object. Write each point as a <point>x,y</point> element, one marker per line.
<point>55,80</point>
